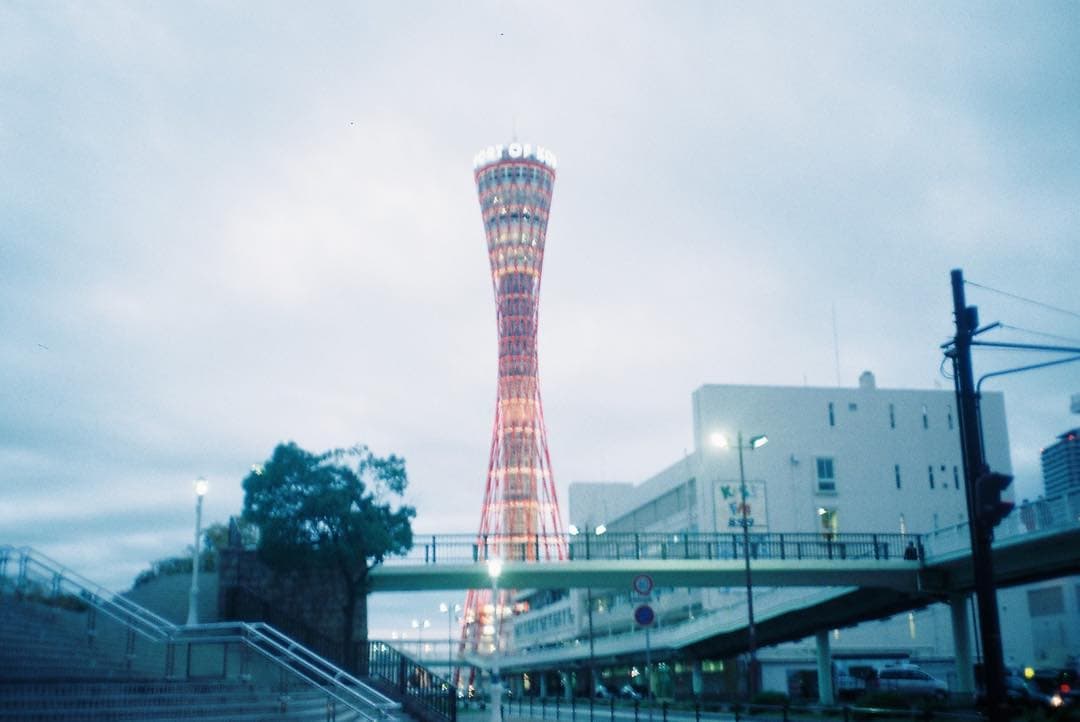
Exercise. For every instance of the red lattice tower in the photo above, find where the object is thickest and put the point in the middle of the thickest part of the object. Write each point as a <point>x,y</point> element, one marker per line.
<point>520,518</point>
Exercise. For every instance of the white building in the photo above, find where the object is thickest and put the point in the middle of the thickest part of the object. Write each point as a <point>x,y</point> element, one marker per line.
<point>838,460</point>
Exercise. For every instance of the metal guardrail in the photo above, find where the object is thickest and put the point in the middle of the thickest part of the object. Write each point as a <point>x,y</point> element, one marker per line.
<point>35,571</point>
<point>412,680</point>
<point>1029,517</point>
<point>467,548</point>
<point>59,580</point>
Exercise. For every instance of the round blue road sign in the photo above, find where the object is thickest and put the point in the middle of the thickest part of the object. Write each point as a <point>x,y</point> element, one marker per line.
<point>644,615</point>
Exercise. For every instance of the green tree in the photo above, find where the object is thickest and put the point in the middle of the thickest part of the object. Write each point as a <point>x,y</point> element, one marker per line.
<point>330,512</point>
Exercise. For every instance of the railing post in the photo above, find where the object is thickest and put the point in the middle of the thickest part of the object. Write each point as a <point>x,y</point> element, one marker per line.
<point>637,546</point>
<point>557,707</point>
<point>427,554</point>
<point>782,554</point>
<point>536,546</point>
<point>612,700</point>
<point>877,552</point>
<point>543,708</point>
<point>637,706</point>
<point>433,561</point>
<point>663,710</point>
<point>573,707</point>
<point>401,674</point>
<point>587,544</point>
<point>475,553</point>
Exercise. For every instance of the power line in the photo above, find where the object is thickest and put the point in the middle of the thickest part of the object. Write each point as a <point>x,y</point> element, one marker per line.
<point>1040,333</point>
<point>1065,311</point>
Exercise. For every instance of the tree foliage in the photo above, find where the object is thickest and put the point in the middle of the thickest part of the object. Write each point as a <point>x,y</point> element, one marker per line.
<point>330,512</point>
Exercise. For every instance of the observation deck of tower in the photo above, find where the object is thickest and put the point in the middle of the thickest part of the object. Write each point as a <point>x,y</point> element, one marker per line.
<point>520,517</point>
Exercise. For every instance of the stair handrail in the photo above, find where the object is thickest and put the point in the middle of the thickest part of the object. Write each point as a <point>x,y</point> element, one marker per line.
<point>338,683</point>
<point>115,605</point>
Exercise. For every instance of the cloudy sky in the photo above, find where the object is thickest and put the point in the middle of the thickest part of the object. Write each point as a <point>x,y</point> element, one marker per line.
<point>223,225</point>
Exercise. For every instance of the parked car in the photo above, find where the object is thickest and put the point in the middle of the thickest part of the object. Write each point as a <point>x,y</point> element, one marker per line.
<point>602,692</point>
<point>910,680</point>
<point>627,691</point>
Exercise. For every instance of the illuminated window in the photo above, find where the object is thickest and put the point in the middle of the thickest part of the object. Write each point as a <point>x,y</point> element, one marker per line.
<point>829,520</point>
<point>832,415</point>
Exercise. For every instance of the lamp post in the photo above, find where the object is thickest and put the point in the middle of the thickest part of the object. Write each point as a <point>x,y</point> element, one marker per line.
<point>201,487</point>
<point>450,612</point>
<point>495,565</point>
<point>420,625</point>
<point>755,442</point>
<point>599,531</point>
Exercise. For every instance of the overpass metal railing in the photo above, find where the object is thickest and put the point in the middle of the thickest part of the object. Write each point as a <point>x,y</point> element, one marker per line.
<point>1029,517</point>
<point>33,575</point>
<point>470,548</point>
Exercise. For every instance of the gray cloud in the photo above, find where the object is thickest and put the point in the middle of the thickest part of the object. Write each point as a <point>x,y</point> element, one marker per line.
<point>225,228</point>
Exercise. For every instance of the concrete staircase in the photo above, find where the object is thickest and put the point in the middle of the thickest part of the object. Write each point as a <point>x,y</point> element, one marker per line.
<point>68,700</point>
<point>66,656</point>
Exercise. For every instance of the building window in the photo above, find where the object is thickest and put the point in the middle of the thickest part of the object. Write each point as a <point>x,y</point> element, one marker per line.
<point>896,472</point>
<point>829,521</point>
<point>930,473</point>
<point>1046,602</point>
<point>949,417</point>
<point>956,477</point>
<point>832,414</point>
<point>925,418</point>
<point>892,416</point>
<point>852,407</point>
<point>826,475</point>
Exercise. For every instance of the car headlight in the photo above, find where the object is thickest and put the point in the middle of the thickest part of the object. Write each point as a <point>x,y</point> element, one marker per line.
<point>1056,700</point>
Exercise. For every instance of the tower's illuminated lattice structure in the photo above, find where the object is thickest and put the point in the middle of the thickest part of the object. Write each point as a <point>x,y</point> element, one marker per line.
<point>520,518</point>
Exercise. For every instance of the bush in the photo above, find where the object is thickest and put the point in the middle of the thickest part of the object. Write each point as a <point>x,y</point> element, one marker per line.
<point>886,700</point>
<point>767,700</point>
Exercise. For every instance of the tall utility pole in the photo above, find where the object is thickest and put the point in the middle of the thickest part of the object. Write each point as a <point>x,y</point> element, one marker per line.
<point>982,531</point>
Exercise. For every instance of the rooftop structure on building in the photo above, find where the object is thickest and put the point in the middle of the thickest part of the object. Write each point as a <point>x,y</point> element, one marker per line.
<point>1061,464</point>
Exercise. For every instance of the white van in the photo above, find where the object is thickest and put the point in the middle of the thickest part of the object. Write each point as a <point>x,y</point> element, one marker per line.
<point>911,680</point>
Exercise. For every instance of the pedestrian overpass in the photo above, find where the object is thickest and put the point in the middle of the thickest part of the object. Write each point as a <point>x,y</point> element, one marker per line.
<point>805,584</point>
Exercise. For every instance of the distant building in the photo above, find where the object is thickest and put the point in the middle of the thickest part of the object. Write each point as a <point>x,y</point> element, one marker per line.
<point>838,460</point>
<point>1061,464</point>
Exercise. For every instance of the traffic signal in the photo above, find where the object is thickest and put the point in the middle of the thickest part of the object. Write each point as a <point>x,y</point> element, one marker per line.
<point>988,488</point>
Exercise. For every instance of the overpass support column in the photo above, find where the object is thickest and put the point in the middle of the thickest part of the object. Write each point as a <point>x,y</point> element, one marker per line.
<point>824,670</point>
<point>697,678</point>
<point>961,632</point>
<point>543,685</point>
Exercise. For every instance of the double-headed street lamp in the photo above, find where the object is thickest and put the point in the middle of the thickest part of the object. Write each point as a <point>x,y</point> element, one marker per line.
<point>201,487</point>
<point>451,611</point>
<point>420,625</point>
<point>495,565</point>
<point>600,530</point>
<point>755,442</point>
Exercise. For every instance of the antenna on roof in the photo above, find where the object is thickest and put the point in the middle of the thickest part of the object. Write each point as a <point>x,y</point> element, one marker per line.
<point>836,344</point>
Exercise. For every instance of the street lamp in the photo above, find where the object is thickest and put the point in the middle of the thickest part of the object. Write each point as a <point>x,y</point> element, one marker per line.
<point>495,566</point>
<point>201,487</point>
<point>600,530</point>
<point>755,442</point>
<point>420,625</point>
<point>450,612</point>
